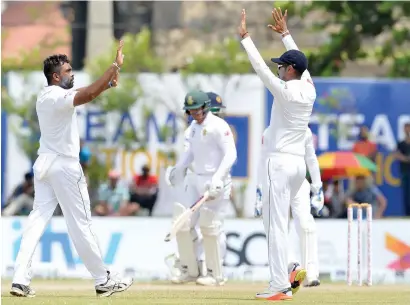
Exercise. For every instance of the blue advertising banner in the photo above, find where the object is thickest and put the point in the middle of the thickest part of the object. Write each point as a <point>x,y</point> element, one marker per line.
<point>241,129</point>
<point>343,105</point>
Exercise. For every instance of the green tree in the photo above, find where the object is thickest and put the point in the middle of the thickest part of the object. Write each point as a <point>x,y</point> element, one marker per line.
<point>224,58</point>
<point>139,57</point>
<point>22,112</point>
<point>358,20</point>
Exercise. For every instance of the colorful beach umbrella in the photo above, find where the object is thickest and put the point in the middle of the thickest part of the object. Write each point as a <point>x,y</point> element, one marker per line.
<point>345,164</point>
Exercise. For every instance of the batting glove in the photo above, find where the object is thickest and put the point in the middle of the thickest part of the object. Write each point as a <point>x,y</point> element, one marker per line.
<point>215,188</point>
<point>318,200</point>
<point>258,202</point>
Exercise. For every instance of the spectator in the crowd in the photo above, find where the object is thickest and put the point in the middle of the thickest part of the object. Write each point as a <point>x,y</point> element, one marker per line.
<point>21,201</point>
<point>366,192</point>
<point>403,155</point>
<point>144,190</point>
<point>334,198</point>
<point>113,198</point>
<point>85,156</point>
<point>364,146</point>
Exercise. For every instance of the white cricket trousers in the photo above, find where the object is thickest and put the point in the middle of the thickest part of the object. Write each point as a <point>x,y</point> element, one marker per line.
<point>306,230</point>
<point>285,175</point>
<point>63,182</point>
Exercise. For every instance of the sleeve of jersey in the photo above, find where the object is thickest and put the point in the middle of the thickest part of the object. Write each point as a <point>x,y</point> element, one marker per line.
<point>186,158</point>
<point>311,161</point>
<point>65,99</point>
<point>187,144</point>
<point>290,44</point>
<point>186,138</point>
<point>227,144</point>
<point>273,83</point>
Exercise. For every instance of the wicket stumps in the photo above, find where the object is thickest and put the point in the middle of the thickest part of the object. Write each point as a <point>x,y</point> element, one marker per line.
<point>369,218</point>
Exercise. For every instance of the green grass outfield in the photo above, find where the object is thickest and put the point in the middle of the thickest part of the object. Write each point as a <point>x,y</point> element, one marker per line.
<point>69,292</point>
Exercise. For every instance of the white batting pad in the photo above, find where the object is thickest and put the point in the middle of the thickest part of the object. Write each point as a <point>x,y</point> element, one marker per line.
<point>210,225</point>
<point>308,244</point>
<point>185,243</point>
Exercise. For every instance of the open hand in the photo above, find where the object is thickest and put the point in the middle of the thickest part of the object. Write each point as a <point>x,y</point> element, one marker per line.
<point>280,25</point>
<point>119,59</point>
<point>242,26</point>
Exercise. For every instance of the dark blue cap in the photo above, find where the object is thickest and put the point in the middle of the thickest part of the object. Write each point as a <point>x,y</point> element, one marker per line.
<point>294,58</point>
<point>216,101</point>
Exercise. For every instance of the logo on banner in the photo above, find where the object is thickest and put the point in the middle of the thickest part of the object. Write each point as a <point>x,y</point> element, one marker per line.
<point>51,238</point>
<point>245,250</point>
<point>401,249</point>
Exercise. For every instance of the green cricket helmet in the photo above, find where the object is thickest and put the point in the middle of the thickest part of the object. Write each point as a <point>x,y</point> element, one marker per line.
<point>197,99</point>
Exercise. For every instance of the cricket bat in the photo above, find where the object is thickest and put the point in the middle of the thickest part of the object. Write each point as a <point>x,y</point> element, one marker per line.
<point>179,222</point>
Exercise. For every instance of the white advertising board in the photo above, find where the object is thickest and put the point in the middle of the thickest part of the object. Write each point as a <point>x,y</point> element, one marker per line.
<point>135,246</point>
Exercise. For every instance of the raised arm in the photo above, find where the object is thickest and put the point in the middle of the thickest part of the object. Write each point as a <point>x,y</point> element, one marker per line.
<point>87,94</point>
<point>273,83</point>
<point>281,28</point>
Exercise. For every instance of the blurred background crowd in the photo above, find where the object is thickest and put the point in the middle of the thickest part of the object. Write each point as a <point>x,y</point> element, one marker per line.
<point>137,197</point>
<point>199,37</point>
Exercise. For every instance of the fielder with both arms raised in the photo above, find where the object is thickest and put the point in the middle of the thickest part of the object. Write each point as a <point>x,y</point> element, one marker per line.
<point>300,208</point>
<point>294,95</point>
<point>210,153</point>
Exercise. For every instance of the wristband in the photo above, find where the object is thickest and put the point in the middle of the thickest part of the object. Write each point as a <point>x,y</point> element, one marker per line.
<point>116,65</point>
<point>284,33</point>
<point>244,34</point>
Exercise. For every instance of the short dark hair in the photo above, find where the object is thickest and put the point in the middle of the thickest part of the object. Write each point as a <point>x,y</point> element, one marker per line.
<point>28,176</point>
<point>52,64</point>
<point>298,74</point>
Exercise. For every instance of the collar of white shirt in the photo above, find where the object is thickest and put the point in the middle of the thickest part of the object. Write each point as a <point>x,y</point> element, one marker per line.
<point>208,119</point>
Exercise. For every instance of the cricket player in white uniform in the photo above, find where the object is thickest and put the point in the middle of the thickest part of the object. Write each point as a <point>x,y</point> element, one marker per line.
<point>181,275</point>
<point>301,211</point>
<point>58,176</point>
<point>294,95</point>
<point>210,149</point>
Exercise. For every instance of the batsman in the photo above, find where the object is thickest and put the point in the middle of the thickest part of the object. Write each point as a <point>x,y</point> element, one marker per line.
<point>209,155</point>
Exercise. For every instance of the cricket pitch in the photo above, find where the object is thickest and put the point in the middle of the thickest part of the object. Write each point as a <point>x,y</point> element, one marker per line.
<point>80,292</point>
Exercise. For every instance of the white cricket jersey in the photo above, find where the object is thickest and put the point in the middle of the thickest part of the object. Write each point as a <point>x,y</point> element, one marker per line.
<point>210,148</point>
<point>58,122</point>
<point>293,103</point>
<point>310,157</point>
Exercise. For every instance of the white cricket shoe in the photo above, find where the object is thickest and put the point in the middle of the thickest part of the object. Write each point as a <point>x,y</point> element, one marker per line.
<point>19,290</point>
<point>209,280</point>
<point>183,278</point>
<point>113,285</point>
<point>311,283</point>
